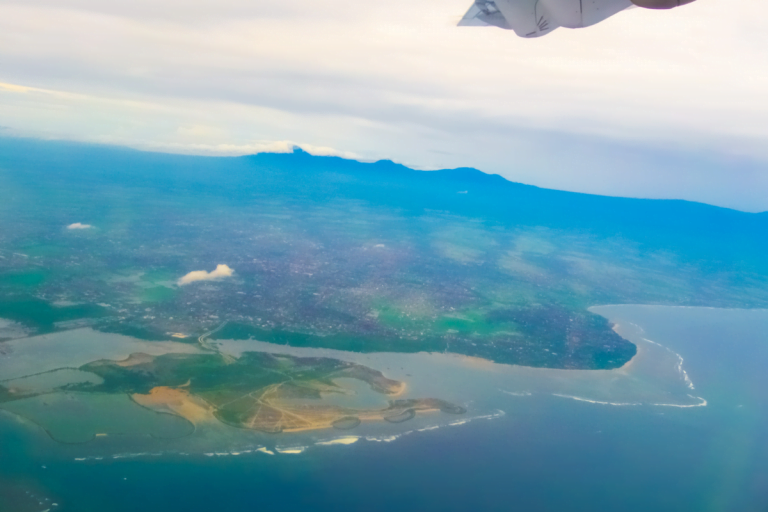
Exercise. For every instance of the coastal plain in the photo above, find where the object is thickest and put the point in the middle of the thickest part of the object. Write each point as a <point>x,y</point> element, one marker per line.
<point>168,311</point>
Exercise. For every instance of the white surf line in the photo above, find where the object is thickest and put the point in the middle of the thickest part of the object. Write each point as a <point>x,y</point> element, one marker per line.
<point>702,403</point>
<point>130,455</point>
<point>498,414</point>
<point>295,450</point>
<point>339,440</point>
<point>386,439</point>
<point>680,370</point>
<point>253,450</point>
<point>516,393</point>
<point>390,438</point>
<point>580,399</point>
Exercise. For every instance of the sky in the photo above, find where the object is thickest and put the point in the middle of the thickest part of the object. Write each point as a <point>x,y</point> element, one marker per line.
<point>660,104</point>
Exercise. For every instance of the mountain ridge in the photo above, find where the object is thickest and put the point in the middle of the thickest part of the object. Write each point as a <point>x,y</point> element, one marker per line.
<point>457,173</point>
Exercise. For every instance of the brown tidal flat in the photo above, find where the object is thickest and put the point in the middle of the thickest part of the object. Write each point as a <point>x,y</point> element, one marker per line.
<point>267,412</point>
<point>179,402</point>
<point>135,359</point>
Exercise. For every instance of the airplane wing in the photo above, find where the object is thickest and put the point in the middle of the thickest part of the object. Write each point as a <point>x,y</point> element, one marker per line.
<point>484,13</point>
<point>536,18</point>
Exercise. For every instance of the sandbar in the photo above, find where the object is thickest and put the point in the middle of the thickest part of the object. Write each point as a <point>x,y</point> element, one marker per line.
<point>179,402</point>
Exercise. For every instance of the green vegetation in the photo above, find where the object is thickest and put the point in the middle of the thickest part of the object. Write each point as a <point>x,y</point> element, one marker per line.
<point>157,294</point>
<point>209,374</point>
<point>342,341</point>
<point>43,316</point>
<point>357,257</point>
<point>139,331</point>
<point>256,391</point>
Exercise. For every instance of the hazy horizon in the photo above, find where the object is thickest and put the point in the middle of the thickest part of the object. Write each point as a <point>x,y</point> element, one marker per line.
<point>286,148</point>
<point>646,104</point>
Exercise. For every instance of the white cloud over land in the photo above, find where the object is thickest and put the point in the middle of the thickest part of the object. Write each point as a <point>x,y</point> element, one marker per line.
<point>78,225</point>
<point>221,272</point>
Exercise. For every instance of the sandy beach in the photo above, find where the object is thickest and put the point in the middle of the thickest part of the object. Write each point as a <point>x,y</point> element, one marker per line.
<point>177,401</point>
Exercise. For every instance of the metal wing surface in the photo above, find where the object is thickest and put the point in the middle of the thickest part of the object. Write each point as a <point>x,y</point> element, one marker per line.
<point>536,18</point>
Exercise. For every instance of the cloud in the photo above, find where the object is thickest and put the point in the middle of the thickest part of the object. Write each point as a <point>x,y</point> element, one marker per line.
<point>252,148</point>
<point>78,225</point>
<point>221,272</point>
<point>399,80</point>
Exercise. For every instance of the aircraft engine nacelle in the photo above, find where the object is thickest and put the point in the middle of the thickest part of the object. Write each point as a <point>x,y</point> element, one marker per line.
<point>660,4</point>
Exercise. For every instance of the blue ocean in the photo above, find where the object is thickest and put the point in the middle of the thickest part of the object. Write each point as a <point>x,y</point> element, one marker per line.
<point>546,452</point>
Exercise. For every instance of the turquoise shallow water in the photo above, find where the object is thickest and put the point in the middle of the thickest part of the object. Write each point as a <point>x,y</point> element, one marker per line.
<point>546,453</point>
